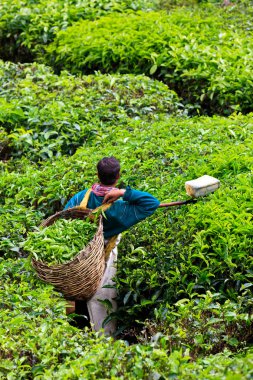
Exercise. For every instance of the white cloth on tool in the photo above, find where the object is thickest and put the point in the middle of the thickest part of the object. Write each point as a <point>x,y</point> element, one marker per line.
<point>97,310</point>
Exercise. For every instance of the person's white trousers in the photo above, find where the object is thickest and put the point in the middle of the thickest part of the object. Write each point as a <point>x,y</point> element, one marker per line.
<point>97,310</point>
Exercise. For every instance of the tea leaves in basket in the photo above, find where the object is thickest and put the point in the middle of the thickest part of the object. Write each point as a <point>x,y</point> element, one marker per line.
<point>60,242</point>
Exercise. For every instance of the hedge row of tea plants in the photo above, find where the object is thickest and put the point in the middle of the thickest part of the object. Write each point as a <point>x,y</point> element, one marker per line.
<point>43,114</point>
<point>203,53</point>
<point>184,277</point>
<point>205,246</point>
<point>37,342</point>
<point>27,26</point>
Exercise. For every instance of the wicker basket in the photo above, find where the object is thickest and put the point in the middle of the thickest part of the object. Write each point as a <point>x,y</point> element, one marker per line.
<point>79,278</point>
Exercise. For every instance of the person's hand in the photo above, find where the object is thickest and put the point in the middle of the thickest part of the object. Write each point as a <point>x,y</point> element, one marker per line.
<point>113,195</point>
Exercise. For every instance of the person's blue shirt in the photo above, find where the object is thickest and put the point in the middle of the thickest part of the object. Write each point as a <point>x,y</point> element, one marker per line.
<point>135,206</point>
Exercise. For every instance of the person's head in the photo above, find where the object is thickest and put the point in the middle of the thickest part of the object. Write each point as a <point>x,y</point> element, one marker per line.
<point>108,170</point>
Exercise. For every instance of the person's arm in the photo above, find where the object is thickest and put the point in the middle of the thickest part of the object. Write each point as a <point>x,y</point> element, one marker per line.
<point>142,203</point>
<point>138,205</point>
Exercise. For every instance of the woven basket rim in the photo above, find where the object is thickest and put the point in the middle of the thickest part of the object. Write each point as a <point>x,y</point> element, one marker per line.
<point>75,212</point>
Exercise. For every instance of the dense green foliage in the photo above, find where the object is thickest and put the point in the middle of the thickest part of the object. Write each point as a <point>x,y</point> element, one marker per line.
<point>37,342</point>
<point>202,53</point>
<point>44,115</point>
<point>16,221</point>
<point>27,26</point>
<point>203,246</point>
<point>184,276</point>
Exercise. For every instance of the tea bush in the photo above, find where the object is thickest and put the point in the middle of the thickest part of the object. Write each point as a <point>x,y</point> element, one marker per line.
<point>203,53</point>
<point>219,367</point>
<point>27,26</point>
<point>45,115</point>
<point>37,342</point>
<point>167,264</point>
<point>16,222</point>
<point>184,275</point>
<point>204,325</point>
<point>192,249</point>
<point>159,156</point>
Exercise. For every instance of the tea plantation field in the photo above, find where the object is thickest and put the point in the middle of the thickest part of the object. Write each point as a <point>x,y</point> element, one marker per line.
<point>166,87</point>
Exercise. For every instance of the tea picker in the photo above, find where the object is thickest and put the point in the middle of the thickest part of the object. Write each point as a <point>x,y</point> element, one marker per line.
<point>89,276</point>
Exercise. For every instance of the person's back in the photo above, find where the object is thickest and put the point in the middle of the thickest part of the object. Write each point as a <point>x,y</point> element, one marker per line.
<point>135,205</point>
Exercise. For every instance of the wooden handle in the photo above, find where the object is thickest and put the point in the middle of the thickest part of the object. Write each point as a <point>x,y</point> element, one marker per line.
<point>177,203</point>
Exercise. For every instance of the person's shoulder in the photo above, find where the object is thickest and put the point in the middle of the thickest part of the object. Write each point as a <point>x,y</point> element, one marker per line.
<point>82,192</point>
<point>78,197</point>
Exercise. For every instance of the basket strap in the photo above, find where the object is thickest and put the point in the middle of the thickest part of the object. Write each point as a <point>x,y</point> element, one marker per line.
<point>85,200</point>
<point>110,246</point>
<point>112,241</point>
<point>103,207</point>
